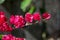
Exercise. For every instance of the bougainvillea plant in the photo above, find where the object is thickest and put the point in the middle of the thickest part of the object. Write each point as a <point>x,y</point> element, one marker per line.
<point>20,21</point>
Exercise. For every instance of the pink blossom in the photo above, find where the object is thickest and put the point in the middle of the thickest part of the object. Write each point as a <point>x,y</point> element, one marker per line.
<point>28,17</point>
<point>10,37</point>
<point>46,15</point>
<point>2,18</point>
<point>5,27</point>
<point>19,21</point>
<point>36,16</point>
<point>6,37</point>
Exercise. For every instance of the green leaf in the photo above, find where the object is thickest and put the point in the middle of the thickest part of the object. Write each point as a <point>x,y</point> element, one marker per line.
<point>1,1</point>
<point>25,4</point>
<point>31,9</point>
<point>0,36</point>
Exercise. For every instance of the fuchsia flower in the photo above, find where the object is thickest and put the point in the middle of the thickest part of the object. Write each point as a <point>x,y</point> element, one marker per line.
<point>19,21</point>
<point>5,27</point>
<point>37,16</point>
<point>46,15</point>
<point>2,18</point>
<point>14,19</point>
<point>10,37</point>
<point>28,17</point>
<point>7,37</point>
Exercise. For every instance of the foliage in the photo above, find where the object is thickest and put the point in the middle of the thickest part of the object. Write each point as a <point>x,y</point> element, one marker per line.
<point>1,1</point>
<point>31,9</point>
<point>25,4</point>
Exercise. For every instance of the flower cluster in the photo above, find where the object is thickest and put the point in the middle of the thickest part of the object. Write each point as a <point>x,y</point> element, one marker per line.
<point>3,23</point>
<point>10,37</point>
<point>36,16</point>
<point>19,21</point>
<point>30,17</point>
